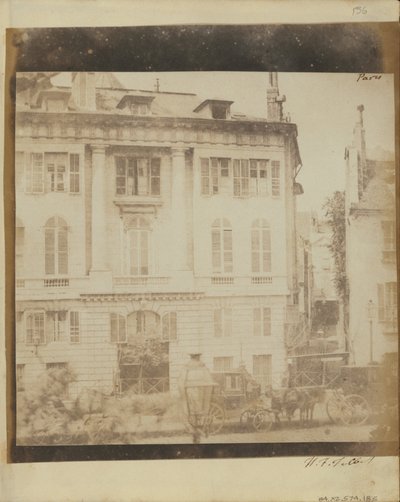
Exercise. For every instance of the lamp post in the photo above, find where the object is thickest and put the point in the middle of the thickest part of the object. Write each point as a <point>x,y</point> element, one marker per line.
<point>197,386</point>
<point>371,317</point>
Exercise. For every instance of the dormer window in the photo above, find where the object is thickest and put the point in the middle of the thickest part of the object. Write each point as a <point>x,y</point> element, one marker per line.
<point>214,108</point>
<point>53,100</point>
<point>136,105</point>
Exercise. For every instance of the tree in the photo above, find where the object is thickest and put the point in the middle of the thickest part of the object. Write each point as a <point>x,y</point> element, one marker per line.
<point>336,217</point>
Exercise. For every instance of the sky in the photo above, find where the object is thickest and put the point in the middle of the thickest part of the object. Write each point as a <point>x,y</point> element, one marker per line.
<point>323,105</point>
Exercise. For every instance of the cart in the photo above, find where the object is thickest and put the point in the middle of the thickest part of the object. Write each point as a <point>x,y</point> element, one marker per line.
<point>361,392</point>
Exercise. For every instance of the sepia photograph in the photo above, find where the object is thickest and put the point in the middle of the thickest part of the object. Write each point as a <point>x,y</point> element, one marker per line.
<point>205,257</point>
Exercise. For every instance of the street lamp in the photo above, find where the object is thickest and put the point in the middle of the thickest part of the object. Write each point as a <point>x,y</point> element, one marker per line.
<point>197,387</point>
<point>371,317</point>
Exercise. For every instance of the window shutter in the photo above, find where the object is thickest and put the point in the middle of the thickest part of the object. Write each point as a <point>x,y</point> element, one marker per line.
<point>267,321</point>
<point>155,176</point>
<point>381,302</point>
<point>257,321</point>
<point>227,322</point>
<point>216,250</point>
<point>205,176</point>
<point>114,328</point>
<point>62,250</point>
<point>218,323</point>
<point>49,250</point>
<point>173,326</point>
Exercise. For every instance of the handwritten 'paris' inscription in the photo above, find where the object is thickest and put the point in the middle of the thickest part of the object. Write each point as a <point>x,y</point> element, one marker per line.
<point>364,76</point>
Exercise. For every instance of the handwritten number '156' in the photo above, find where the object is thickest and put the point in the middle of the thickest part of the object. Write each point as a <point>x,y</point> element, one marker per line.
<point>360,9</point>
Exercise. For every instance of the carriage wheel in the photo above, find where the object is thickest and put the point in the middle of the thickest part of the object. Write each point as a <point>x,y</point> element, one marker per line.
<point>338,410</point>
<point>262,421</point>
<point>215,419</point>
<point>360,409</point>
<point>246,418</point>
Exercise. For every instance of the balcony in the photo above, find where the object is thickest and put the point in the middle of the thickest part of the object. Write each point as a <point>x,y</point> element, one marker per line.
<point>221,280</point>
<point>261,279</point>
<point>142,280</point>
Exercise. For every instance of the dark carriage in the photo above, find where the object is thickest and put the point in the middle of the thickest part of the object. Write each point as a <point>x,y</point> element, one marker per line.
<point>236,397</point>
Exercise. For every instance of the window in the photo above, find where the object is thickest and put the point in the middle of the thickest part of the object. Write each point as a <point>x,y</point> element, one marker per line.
<point>219,111</point>
<point>55,326</point>
<point>262,370</point>
<point>20,377</point>
<point>56,246</point>
<point>169,331</point>
<point>19,248</point>
<point>214,175</point>
<point>221,247</point>
<point>118,328</point>
<point>35,333</point>
<point>260,247</point>
<point>275,178</point>
<point>139,108</point>
<point>56,168</point>
<point>137,176</point>
<point>387,303</point>
<point>222,363</point>
<point>138,247</point>
<point>74,173</point>
<point>34,174</point>
<point>74,327</point>
<point>258,177</point>
<point>240,178</point>
<point>222,322</point>
<point>262,321</point>
<point>52,167</point>
<point>389,241</point>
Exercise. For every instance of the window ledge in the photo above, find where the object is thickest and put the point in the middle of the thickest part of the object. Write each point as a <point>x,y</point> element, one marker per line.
<point>138,203</point>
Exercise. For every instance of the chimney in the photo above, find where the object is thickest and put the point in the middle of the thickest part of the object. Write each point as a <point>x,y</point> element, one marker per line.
<point>355,156</point>
<point>274,101</point>
<point>359,144</point>
<point>84,90</point>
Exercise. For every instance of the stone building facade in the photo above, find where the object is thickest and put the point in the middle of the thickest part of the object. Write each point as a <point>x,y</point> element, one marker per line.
<point>371,251</point>
<point>148,215</point>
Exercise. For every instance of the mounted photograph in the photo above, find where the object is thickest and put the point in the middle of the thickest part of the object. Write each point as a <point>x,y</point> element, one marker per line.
<point>205,257</point>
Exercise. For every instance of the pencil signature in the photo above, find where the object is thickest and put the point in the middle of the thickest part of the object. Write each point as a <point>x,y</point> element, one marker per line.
<point>336,461</point>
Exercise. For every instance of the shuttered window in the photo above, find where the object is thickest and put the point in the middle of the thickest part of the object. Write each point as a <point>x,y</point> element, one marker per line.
<point>223,322</point>
<point>117,328</point>
<point>222,247</point>
<point>262,321</point>
<point>260,247</point>
<point>56,247</point>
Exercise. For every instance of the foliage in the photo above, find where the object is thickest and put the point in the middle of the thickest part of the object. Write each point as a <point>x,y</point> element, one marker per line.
<point>145,352</point>
<point>335,213</point>
<point>40,410</point>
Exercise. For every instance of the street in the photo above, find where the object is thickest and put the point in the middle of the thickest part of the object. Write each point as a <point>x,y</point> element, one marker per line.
<point>287,434</point>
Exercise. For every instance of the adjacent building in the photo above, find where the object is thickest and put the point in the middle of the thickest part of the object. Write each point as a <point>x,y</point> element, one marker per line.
<point>151,222</point>
<point>371,251</point>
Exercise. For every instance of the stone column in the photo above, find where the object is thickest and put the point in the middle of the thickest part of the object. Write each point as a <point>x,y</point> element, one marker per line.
<point>178,211</point>
<point>99,216</point>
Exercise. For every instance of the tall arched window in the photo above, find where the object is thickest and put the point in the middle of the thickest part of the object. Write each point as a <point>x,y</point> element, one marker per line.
<point>138,246</point>
<point>56,246</point>
<point>221,247</point>
<point>260,247</point>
